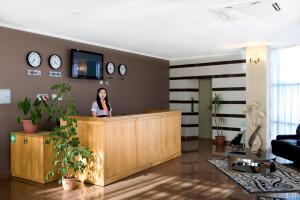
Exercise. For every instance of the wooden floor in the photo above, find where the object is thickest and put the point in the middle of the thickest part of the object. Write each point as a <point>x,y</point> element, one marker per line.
<point>188,177</point>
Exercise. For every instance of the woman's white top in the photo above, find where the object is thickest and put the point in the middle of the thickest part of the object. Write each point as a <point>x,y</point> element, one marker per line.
<point>95,108</point>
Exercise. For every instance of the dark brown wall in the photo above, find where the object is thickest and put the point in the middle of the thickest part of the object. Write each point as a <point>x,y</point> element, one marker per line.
<point>146,84</point>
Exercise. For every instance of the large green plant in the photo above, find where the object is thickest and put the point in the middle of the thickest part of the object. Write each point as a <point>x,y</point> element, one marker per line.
<point>31,111</point>
<point>216,105</point>
<point>69,155</point>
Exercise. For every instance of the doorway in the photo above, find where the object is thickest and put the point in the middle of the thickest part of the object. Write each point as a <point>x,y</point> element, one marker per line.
<point>205,117</point>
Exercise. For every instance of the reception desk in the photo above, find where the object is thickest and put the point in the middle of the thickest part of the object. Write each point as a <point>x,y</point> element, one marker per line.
<point>125,145</point>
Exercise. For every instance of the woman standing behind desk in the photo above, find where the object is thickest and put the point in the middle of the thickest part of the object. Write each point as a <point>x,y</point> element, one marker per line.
<point>101,107</point>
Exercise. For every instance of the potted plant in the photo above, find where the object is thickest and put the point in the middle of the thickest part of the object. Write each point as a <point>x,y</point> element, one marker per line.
<point>218,121</point>
<point>56,108</point>
<point>32,114</point>
<point>69,155</point>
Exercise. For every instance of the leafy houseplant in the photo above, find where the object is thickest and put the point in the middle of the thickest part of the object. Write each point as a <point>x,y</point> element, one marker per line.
<point>32,114</point>
<point>69,155</point>
<point>55,107</point>
<point>219,121</point>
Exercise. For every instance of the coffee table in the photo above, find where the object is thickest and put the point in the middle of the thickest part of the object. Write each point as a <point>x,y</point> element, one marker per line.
<point>244,160</point>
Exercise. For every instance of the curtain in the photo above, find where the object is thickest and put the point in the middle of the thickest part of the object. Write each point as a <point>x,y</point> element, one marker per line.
<point>285,91</point>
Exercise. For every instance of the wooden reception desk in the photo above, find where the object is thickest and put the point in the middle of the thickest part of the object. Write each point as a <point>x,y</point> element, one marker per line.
<point>125,145</point>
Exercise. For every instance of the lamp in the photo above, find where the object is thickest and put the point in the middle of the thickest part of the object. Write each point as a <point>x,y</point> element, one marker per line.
<point>254,60</point>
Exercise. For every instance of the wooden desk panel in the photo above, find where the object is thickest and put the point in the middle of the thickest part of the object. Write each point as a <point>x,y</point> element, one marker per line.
<point>125,145</point>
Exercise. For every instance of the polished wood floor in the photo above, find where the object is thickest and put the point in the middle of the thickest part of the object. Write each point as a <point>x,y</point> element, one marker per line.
<point>188,177</point>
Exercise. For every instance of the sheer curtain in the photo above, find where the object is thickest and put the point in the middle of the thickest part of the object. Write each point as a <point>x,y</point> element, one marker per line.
<point>285,91</point>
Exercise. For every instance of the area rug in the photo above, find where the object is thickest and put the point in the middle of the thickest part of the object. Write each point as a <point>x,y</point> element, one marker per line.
<point>283,179</point>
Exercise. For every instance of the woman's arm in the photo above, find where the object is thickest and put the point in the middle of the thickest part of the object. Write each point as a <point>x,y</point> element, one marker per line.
<point>94,114</point>
<point>109,114</point>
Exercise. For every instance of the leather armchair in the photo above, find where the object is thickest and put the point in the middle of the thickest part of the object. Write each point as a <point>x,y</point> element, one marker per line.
<point>288,146</point>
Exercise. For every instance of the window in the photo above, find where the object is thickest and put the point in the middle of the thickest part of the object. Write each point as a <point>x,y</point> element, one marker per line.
<point>285,91</point>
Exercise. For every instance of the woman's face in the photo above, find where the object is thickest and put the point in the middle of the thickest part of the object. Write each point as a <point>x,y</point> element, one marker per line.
<point>102,94</point>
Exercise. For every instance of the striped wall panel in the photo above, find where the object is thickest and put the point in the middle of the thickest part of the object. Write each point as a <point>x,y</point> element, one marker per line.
<point>228,80</point>
<point>207,70</point>
<point>183,107</point>
<point>184,84</point>
<point>186,95</point>
<point>231,95</point>
<point>231,122</point>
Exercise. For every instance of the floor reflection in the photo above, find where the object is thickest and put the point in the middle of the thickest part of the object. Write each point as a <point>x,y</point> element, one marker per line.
<point>187,177</point>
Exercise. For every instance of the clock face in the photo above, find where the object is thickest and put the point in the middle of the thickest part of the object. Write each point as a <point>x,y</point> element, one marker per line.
<point>55,61</point>
<point>34,59</point>
<point>110,68</point>
<point>122,69</point>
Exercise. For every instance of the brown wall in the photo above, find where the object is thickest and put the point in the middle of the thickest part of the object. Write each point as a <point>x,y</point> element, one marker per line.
<point>146,84</point>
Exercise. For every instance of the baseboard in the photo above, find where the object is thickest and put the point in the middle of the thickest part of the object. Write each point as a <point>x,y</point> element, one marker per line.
<point>6,174</point>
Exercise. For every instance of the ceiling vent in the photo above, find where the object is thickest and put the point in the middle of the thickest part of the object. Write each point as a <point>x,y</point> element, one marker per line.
<point>246,10</point>
<point>276,6</point>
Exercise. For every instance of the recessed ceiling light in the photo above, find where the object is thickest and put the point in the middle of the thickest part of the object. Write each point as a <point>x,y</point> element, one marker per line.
<point>73,12</point>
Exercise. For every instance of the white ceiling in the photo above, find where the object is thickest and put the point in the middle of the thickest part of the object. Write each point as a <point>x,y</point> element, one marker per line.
<point>168,29</point>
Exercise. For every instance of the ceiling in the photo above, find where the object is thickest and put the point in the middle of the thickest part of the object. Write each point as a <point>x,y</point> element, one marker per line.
<point>169,29</point>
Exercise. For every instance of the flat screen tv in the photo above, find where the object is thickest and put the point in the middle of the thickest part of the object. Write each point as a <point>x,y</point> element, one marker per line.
<point>86,65</point>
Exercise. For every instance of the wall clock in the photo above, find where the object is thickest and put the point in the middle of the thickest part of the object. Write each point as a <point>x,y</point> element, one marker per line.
<point>34,59</point>
<point>122,69</point>
<point>110,68</point>
<point>55,61</point>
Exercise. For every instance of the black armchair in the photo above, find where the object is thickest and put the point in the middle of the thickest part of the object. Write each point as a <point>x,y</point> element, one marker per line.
<point>288,146</point>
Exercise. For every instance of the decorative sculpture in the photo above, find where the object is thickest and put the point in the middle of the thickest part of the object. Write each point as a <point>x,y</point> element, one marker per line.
<point>256,116</point>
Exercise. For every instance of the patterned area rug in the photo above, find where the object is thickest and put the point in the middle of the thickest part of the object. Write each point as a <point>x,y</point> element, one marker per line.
<point>283,179</point>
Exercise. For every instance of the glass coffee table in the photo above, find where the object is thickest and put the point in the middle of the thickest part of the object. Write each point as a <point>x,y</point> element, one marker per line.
<point>244,160</point>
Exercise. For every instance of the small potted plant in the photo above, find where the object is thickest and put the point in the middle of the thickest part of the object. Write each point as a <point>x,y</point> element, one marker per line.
<point>69,154</point>
<point>218,121</point>
<point>32,114</point>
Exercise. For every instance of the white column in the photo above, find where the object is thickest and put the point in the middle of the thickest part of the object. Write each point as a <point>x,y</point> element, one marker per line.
<point>257,89</point>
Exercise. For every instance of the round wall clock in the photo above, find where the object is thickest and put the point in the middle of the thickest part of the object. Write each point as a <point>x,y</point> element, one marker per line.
<point>34,59</point>
<point>110,68</point>
<point>122,69</point>
<point>55,61</point>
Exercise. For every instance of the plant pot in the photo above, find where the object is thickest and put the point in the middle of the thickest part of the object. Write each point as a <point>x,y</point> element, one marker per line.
<point>29,127</point>
<point>220,140</point>
<point>69,183</point>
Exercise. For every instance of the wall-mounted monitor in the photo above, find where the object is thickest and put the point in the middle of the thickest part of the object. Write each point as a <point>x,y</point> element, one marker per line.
<point>86,65</point>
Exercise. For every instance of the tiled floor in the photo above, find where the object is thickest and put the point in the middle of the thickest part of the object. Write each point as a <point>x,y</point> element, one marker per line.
<point>188,177</point>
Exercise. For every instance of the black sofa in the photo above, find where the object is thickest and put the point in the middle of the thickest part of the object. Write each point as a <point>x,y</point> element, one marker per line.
<point>288,146</point>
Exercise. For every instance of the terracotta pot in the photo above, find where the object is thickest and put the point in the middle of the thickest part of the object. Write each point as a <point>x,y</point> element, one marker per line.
<point>220,140</point>
<point>29,127</point>
<point>69,183</point>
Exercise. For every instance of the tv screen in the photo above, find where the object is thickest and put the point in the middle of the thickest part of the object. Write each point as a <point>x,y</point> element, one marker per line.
<point>86,65</point>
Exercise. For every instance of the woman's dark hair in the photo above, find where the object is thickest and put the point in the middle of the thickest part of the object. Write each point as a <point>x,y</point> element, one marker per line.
<point>106,99</point>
